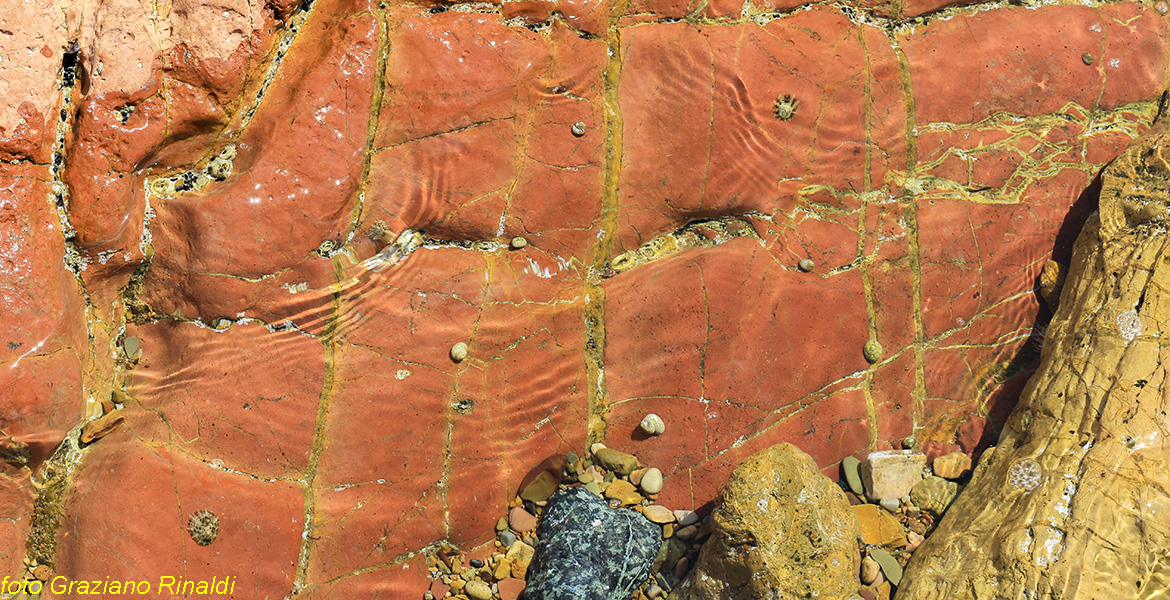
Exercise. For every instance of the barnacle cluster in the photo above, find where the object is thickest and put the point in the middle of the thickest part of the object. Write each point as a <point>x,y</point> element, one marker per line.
<point>1025,474</point>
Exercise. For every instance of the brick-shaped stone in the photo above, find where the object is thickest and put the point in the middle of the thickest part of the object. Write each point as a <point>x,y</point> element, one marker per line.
<point>891,473</point>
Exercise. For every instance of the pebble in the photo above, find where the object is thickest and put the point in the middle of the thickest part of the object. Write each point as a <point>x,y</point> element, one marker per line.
<point>618,462</point>
<point>520,555</point>
<point>130,346</point>
<point>913,541</point>
<point>521,520</point>
<point>652,424</point>
<point>870,570</point>
<point>501,524</point>
<point>688,532</point>
<point>579,128</point>
<point>518,243</point>
<point>651,481</point>
<point>806,265</point>
<point>681,567</point>
<point>658,514</point>
<point>889,565</point>
<point>478,590</point>
<point>510,588</point>
<point>654,590</point>
<point>890,504</point>
<point>507,538</point>
<point>952,466</point>
<point>595,447</point>
<point>624,492</point>
<point>686,517</point>
<point>476,563</point>
<point>1087,58</point>
<point>908,442</point>
<point>459,352</point>
<point>872,351</point>
<point>852,468</point>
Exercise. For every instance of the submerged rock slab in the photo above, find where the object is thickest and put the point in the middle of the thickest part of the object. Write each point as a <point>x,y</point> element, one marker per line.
<point>1072,502</point>
<point>588,551</point>
<point>783,530</point>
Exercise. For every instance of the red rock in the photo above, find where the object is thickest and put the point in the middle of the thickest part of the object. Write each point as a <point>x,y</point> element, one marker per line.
<point>928,191</point>
<point>521,520</point>
<point>510,588</point>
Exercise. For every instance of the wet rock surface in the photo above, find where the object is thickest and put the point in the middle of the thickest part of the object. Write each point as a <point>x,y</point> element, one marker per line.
<point>782,529</point>
<point>588,551</point>
<point>163,181</point>
<point>1071,503</point>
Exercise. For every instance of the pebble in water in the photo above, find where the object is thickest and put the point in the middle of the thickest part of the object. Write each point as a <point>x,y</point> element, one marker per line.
<point>889,565</point>
<point>651,481</point>
<point>579,128</point>
<point>806,265</point>
<point>1087,58</point>
<point>459,352</point>
<point>518,243</point>
<point>852,468</point>
<point>872,351</point>
<point>652,424</point>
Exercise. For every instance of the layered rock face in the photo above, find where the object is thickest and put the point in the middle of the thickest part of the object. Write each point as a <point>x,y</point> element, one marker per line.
<point>270,222</point>
<point>1072,503</point>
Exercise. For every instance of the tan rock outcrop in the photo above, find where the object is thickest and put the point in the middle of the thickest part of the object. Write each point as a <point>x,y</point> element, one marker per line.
<point>1073,502</point>
<point>783,530</point>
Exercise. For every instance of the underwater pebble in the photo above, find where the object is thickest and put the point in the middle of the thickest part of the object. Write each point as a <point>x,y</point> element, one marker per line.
<point>579,128</point>
<point>478,590</point>
<point>890,504</point>
<point>872,351</point>
<point>1087,58</point>
<point>852,468</point>
<point>686,517</point>
<point>459,352</point>
<point>507,538</point>
<point>518,243</point>
<point>870,570</point>
<point>652,424</point>
<point>806,265</point>
<point>889,565</point>
<point>651,481</point>
<point>130,346</point>
<point>785,107</point>
<point>909,442</point>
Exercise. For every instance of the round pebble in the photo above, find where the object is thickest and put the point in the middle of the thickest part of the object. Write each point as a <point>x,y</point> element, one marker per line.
<point>652,424</point>
<point>890,504</point>
<point>478,590</point>
<point>579,128</point>
<point>908,442</point>
<point>518,243</point>
<point>651,481</point>
<point>459,352</point>
<point>806,265</point>
<point>872,351</point>
<point>1087,58</point>
<point>476,563</point>
<point>870,570</point>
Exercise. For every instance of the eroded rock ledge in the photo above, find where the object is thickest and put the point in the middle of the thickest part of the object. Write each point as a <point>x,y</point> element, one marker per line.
<point>1073,501</point>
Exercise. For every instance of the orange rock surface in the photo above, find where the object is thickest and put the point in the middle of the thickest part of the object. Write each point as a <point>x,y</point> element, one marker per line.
<point>241,186</point>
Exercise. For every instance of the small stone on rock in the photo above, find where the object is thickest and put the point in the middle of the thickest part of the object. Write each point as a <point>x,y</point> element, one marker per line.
<point>459,352</point>
<point>618,462</point>
<point>507,538</point>
<point>870,570</point>
<point>518,243</point>
<point>651,481</point>
<point>652,424</point>
<point>891,473</point>
<point>478,590</point>
<point>521,520</point>
<point>852,468</point>
<point>579,128</point>
<point>806,265</point>
<point>658,514</point>
<point>686,517</point>
<point>890,504</point>
<point>952,466</point>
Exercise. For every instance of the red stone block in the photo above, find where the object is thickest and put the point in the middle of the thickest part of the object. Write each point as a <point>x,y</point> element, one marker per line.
<point>128,512</point>
<point>971,66</point>
<point>282,202</point>
<point>400,579</point>
<point>719,119</point>
<point>198,389</point>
